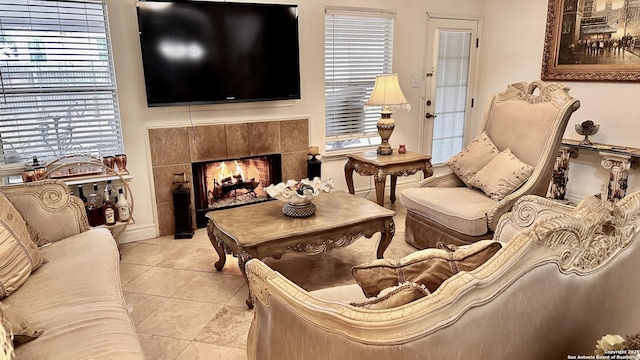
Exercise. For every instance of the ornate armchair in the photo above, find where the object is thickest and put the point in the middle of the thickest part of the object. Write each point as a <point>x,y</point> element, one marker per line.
<point>556,287</point>
<point>527,118</point>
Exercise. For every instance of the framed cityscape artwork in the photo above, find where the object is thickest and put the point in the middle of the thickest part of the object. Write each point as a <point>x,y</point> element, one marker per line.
<point>592,40</point>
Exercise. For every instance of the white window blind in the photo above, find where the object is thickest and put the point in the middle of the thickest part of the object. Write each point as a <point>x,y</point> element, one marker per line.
<point>57,80</point>
<point>358,46</point>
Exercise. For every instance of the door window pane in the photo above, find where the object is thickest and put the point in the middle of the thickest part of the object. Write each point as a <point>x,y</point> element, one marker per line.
<point>452,82</point>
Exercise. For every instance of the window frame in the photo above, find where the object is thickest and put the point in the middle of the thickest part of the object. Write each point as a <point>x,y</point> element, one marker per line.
<point>357,130</point>
<point>79,45</point>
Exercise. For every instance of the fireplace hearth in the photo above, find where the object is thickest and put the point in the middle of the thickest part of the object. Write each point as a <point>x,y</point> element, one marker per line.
<point>234,182</point>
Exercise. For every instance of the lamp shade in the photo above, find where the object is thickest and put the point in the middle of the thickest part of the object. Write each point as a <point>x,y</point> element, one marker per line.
<point>386,92</point>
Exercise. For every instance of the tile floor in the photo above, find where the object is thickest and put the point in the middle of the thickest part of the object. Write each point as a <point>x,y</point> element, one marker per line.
<point>186,310</point>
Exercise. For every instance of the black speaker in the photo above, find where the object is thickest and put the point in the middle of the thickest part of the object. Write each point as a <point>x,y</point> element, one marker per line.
<point>182,213</point>
<point>314,168</point>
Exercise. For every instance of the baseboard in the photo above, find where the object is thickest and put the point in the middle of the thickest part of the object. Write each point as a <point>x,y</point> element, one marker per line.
<point>137,232</point>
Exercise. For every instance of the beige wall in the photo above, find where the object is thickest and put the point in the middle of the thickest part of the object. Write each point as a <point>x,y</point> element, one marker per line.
<point>511,51</point>
<point>137,118</point>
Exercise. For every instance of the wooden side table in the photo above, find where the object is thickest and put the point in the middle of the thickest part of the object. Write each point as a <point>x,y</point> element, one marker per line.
<point>369,163</point>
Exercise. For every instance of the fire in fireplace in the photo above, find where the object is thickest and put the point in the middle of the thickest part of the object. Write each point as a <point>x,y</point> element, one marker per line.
<point>234,182</point>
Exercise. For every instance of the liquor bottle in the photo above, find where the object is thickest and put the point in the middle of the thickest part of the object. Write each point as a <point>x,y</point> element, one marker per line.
<point>82,197</point>
<point>109,209</point>
<point>98,196</point>
<point>122,204</point>
<point>94,211</point>
<point>107,189</point>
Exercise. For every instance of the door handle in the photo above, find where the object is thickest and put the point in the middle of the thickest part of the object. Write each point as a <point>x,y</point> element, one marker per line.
<point>430,115</point>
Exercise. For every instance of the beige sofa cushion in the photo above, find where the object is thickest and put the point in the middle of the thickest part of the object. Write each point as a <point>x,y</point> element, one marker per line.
<point>473,157</point>
<point>19,256</point>
<point>503,174</point>
<point>428,267</point>
<point>459,208</point>
<point>394,296</point>
<point>21,329</point>
<point>76,298</point>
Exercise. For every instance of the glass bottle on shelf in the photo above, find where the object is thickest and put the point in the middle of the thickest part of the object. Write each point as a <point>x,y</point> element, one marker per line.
<point>107,189</point>
<point>82,197</point>
<point>94,211</point>
<point>108,207</point>
<point>98,196</point>
<point>122,204</point>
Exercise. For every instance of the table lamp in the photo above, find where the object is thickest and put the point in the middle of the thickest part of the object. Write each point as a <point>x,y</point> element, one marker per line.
<point>387,93</point>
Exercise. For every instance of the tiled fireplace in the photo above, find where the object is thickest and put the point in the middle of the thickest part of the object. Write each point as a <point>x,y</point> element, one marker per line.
<point>233,182</point>
<point>176,150</point>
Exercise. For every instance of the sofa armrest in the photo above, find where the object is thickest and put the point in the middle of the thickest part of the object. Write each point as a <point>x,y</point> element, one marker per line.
<point>48,208</point>
<point>527,211</point>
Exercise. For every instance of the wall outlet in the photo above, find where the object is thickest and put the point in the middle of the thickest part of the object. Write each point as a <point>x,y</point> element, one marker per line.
<point>416,81</point>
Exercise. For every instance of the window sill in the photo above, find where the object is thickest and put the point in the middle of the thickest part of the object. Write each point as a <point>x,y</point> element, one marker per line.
<point>341,154</point>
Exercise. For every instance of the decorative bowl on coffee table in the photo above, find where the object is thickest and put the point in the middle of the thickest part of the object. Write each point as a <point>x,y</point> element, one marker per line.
<point>298,195</point>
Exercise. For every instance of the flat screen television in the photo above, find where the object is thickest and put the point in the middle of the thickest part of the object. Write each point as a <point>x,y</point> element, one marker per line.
<point>218,52</point>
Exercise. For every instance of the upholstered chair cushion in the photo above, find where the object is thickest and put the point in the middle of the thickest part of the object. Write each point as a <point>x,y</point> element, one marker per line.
<point>503,174</point>
<point>19,256</point>
<point>473,157</point>
<point>21,329</point>
<point>394,296</point>
<point>459,208</point>
<point>428,267</point>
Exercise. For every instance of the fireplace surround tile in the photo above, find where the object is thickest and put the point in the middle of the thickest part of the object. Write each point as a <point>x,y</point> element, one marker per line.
<point>264,138</point>
<point>294,135</point>
<point>173,150</point>
<point>208,143</point>
<point>166,219</point>
<point>237,140</point>
<point>291,168</point>
<point>169,146</point>
<point>163,177</point>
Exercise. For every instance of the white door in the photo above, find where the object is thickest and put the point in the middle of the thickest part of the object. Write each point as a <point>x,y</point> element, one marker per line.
<point>450,66</point>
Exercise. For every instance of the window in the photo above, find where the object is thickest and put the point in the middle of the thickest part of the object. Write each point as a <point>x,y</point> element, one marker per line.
<point>452,86</point>
<point>358,46</point>
<point>57,80</point>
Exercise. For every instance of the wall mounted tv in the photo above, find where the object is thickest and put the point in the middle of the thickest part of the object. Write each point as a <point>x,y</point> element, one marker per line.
<point>218,52</point>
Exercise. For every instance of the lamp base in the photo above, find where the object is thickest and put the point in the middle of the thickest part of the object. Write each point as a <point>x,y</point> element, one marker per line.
<point>385,127</point>
<point>384,149</point>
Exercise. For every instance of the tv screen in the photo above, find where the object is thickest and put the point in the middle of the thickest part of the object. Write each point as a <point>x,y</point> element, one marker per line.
<point>218,52</point>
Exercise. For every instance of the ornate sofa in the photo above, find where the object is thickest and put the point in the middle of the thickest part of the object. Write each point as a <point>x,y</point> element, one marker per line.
<point>75,298</point>
<point>562,279</point>
<point>527,120</point>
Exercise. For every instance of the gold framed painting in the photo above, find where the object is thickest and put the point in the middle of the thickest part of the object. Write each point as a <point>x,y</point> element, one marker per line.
<point>592,40</point>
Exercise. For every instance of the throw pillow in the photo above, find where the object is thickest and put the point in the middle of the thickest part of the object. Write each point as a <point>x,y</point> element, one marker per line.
<point>394,296</point>
<point>19,256</point>
<point>428,267</point>
<point>473,157</point>
<point>21,329</point>
<point>503,174</point>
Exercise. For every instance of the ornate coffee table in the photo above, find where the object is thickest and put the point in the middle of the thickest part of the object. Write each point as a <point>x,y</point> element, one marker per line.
<point>369,163</point>
<point>262,230</point>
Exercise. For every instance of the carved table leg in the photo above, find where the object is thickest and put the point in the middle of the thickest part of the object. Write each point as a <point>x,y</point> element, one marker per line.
<point>386,237</point>
<point>618,174</point>
<point>216,245</point>
<point>242,260</point>
<point>380,178</point>
<point>348,175</point>
<point>394,181</point>
<point>427,171</point>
